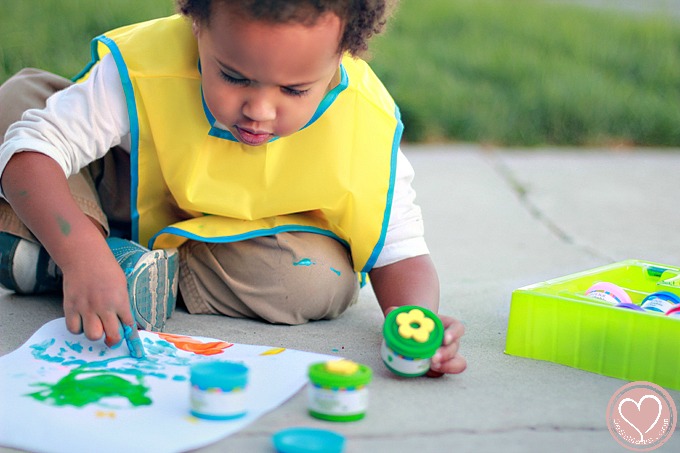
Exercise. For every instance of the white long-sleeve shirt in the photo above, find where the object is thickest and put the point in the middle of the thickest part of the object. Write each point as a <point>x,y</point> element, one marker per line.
<point>81,123</point>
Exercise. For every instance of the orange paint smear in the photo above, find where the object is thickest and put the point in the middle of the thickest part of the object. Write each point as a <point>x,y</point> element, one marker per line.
<point>192,345</point>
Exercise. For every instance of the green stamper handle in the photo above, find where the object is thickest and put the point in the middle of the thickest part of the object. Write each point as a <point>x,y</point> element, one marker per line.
<point>411,336</point>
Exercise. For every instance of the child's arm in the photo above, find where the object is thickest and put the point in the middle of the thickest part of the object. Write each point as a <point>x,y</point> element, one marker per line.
<point>95,291</point>
<point>414,281</point>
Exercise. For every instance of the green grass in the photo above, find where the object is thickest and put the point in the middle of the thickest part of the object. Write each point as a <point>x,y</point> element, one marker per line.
<point>55,34</point>
<point>529,73</point>
<point>520,72</point>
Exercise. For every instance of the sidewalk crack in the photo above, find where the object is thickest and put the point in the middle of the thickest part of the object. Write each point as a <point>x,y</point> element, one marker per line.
<point>522,194</point>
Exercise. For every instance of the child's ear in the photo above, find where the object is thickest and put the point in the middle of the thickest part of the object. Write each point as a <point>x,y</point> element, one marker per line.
<point>195,28</point>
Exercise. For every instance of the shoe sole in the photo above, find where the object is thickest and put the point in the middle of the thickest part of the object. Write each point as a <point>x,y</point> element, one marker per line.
<point>152,288</point>
<point>8,246</point>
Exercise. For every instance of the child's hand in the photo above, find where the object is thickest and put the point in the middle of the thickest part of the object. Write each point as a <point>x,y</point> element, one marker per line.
<point>95,288</point>
<point>96,298</point>
<point>447,360</point>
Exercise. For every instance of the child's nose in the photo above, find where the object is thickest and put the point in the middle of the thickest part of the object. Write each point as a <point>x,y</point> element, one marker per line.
<point>260,108</point>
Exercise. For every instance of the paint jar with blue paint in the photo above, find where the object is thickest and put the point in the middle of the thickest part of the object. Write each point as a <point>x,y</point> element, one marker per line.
<point>411,336</point>
<point>660,302</point>
<point>218,390</point>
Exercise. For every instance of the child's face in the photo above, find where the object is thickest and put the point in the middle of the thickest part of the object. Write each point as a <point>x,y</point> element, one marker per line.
<point>262,80</point>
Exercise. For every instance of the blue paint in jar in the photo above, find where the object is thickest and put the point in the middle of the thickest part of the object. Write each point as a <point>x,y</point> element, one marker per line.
<point>218,390</point>
<point>660,302</point>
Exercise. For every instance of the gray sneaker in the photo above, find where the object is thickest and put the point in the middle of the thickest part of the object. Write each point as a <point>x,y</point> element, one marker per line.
<point>152,281</point>
<point>26,267</point>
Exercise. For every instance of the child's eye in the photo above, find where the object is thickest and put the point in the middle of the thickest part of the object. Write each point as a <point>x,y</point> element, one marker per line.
<point>294,92</point>
<point>234,80</point>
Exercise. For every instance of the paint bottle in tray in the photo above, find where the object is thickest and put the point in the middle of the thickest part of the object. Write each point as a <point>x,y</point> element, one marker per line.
<point>411,336</point>
<point>609,293</point>
<point>669,279</point>
<point>218,390</point>
<point>674,312</point>
<point>660,302</point>
<point>338,390</point>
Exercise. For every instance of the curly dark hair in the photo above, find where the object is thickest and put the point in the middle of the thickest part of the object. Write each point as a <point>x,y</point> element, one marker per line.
<point>362,18</point>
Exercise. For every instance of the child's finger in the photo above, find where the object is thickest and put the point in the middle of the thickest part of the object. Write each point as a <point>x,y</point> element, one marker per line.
<point>112,329</point>
<point>446,353</point>
<point>74,323</point>
<point>92,326</point>
<point>454,330</point>
<point>453,366</point>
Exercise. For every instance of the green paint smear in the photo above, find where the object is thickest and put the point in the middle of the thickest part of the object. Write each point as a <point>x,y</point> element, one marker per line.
<point>64,226</point>
<point>77,389</point>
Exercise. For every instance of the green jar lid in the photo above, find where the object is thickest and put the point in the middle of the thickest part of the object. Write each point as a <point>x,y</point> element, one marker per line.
<point>339,374</point>
<point>413,332</point>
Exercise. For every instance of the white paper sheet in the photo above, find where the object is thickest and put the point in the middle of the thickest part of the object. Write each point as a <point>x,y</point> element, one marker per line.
<point>60,392</point>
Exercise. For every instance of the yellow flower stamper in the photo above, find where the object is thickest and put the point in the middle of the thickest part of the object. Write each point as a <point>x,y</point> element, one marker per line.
<point>343,366</point>
<point>415,324</point>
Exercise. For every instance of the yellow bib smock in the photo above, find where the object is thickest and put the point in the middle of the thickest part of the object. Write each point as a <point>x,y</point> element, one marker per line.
<point>192,180</point>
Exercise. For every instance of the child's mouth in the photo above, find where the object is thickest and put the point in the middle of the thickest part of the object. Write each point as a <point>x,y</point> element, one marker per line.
<point>252,138</point>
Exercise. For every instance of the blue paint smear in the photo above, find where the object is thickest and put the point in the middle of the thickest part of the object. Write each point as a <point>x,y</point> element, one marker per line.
<point>39,351</point>
<point>75,346</point>
<point>104,363</point>
<point>158,375</point>
<point>304,262</point>
<point>165,354</point>
<point>337,272</point>
<point>74,361</point>
<point>134,343</point>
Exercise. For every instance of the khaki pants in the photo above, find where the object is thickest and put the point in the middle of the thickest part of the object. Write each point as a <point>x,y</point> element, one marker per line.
<point>287,278</point>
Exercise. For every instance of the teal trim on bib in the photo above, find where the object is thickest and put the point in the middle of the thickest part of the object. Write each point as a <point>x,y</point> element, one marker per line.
<point>249,235</point>
<point>326,102</point>
<point>390,193</point>
<point>134,128</point>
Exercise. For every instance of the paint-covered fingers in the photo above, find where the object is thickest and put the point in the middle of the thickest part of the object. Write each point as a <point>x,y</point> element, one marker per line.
<point>95,326</point>
<point>96,302</point>
<point>447,359</point>
<point>125,322</point>
<point>113,330</point>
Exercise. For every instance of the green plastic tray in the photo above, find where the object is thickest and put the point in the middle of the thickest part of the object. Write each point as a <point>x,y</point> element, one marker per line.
<point>557,322</point>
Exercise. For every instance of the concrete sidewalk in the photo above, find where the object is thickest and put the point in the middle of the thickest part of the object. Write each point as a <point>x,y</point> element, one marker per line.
<point>496,220</point>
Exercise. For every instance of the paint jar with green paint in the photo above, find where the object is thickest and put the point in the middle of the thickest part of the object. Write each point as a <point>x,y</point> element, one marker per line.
<point>218,390</point>
<point>411,336</point>
<point>338,390</point>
